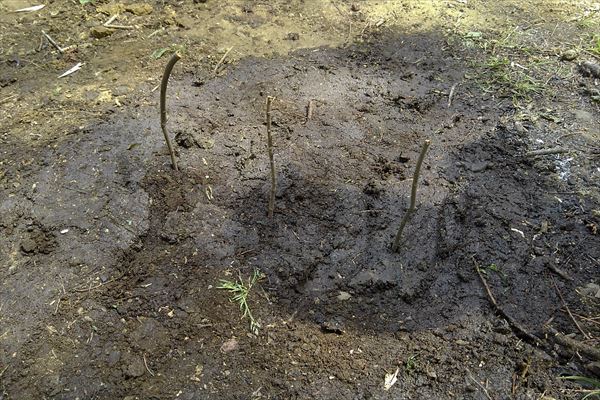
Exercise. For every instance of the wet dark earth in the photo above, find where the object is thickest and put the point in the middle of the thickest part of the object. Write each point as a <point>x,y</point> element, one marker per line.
<point>113,258</point>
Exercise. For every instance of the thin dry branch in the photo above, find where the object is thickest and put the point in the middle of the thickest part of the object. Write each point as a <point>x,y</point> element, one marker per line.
<point>544,152</point>
<point>585,335</point>
<point>574,345</point>
<point>146,365</point>
<point>517,328</point>
<point>221,60</point>
<point>413,196</point>
<point>53,43</point>
<point>163,107</point>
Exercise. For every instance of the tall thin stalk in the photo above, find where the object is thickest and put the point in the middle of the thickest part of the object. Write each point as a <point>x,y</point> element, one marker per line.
<point>271,162</point>
<point>413,196</point>
<point>163,106</point>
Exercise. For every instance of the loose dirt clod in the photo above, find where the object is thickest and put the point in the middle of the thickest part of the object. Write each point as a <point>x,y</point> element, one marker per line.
<point>163,109</point>
<point>589,68</point>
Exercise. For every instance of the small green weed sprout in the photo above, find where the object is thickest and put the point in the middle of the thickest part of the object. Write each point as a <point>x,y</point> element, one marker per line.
<point>494,268</point>
<point>410,365</point>
<point>240,291</point>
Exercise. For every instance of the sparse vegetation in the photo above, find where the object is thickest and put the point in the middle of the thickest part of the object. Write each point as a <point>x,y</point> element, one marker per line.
<point>240,290</point>
<point>498,74</point>
<point>494,268</point>
<point>595,46</point>
<point>410,365</point>
<point>513,64</point>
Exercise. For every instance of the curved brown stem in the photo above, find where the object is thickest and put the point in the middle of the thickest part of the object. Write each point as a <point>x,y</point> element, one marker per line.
<point>163,106</point>
<point>413,196</point>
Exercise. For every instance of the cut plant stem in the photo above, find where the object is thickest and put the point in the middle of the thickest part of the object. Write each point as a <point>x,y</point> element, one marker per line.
<point>271,162</point>
<point>413,196</point>
<point>221,60</point>
<point>163,107</point>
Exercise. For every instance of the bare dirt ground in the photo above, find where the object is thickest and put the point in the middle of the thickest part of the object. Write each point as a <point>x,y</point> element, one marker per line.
<point>110,260</point>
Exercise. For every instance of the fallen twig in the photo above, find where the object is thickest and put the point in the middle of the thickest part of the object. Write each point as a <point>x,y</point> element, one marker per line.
<point>413,196</point>
<point>559,272</point>
<point>309,110</point>
<point>575,345</point>
<point>12,96</point>
<point>156,32</point>
<point>110,20</point>
<point>451,95</point>
<point>585,335</point>
<point>146,365</point>
<point>349,33</point>
<point>485,391</point>
<point>588,319</point>
<point>517,328</point>
<point>163,109</point>
<point>90,288</point>
<point>271,162</point>
<point>53,43</point>
<point>119,26</point>
<point>221,61</point>
<point>57,305</point>
<point>109,24</point>
<point>544,152</point>
<point>367,26</point>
